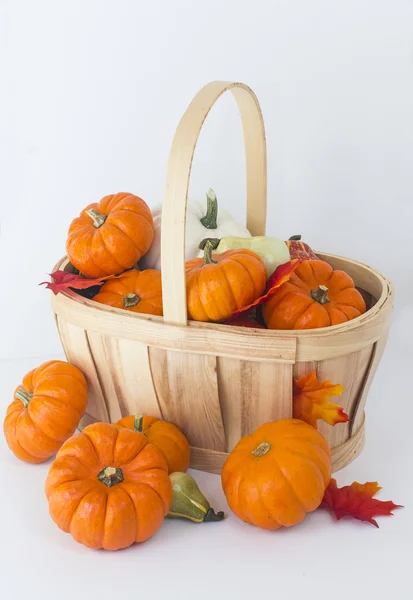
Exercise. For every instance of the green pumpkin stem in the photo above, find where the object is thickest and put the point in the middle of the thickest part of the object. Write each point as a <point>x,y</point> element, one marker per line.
<point>208,245</point>
<point>210,219</point>
<point>97,217</point>
<point>24,396</point>
<point>138,423</point>
<point>294,238</point>
<point>131,299</point>
<point>110,476</point>
<point>320,295</point>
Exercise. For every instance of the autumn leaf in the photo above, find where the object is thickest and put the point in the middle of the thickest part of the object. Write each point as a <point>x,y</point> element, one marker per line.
<point>61,280</point>
<point>311,401</point>
<point>356,501</point>
<point>245,321</point>
<point>281,274</point>
<point>299,249</point>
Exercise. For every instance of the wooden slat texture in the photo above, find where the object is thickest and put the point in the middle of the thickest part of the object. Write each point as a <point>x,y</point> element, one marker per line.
<point>231,375</point>
<point>349,371</point>
<point>358,409</point>
<point>251,394</point>
<point>78,352</point>
<point>125,375</point>
<point>187,389</point>
<point>345,453</point>
<point>269,397</point>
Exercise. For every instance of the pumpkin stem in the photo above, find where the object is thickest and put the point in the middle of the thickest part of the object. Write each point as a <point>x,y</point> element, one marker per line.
<point>207,246</point>
<point>24,396</point>
<point>213,516</point>
<point>320,295</point>
<point>262,449</point>
<point>97,217</point>
<point>110,476</point>
<point>210,219</point>
<point>131,299</point>
<point>295,238</point>
<point>137,423</point>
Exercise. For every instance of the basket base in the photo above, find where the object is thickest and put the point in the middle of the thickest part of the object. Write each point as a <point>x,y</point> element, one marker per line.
<point>212,461</point>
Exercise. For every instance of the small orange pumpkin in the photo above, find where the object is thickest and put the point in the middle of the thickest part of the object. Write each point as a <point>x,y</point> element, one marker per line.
<point>165,436</point>
<point>46,410</point>
<point>218,285</point>
<point>108,487</point>
<point>275,476</point>
<point>315,296</point>
<point>110,236</point>
<point>137,291</point>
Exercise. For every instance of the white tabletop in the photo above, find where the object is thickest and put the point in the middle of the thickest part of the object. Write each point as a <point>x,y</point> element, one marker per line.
<point>318,559</point>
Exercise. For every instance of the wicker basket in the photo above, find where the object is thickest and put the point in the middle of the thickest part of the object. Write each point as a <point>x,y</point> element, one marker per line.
<point>219,382</point>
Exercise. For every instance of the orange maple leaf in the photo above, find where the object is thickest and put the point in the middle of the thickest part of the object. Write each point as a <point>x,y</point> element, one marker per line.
<point>356,500</point>
<point>311,401</point>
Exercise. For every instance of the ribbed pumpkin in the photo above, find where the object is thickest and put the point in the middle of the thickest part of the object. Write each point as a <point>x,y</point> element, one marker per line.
<point>165,436</point>
<point>137,291</point>
<point>109,487</point>
<point>315,296</point>
<point>277,475</point>
<point>46,410</point>
<point>110,236</point>
<point>218,285</point>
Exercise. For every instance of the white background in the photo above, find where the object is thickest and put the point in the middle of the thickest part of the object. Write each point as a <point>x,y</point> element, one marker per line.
<point>92,91</point>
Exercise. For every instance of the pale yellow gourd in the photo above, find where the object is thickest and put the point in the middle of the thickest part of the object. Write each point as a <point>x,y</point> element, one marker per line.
<point>274,252</point>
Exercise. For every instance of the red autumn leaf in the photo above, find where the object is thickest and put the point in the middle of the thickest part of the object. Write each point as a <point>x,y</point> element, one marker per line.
<point>299,249</point>
<point>245,321</point>
<point>311,401</point>
<point>61,280</point>
<point>281,274</point>
<point>356,501</point>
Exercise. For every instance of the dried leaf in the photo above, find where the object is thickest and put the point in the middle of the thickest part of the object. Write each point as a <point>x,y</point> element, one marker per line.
<point>300,249</point>
<point>245,321</point>
<point>61,280</point>
<point>356,501</point>
<point>280,276</point>
<point>311,401</point>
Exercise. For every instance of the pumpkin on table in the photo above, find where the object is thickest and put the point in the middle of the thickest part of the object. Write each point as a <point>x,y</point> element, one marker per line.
<point>108,487</point>
<point>110,236</point>
<point>136,291</point>
<point>46,410</point>
<point>220,284</point>
<point>165,436</point>
<point>315,296</point>
<point>277,475</point>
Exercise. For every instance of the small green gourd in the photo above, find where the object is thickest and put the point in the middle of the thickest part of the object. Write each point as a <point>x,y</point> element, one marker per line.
<point>188,502</point>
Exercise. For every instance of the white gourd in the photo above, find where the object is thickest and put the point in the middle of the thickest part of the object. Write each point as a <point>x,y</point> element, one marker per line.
<point>202,221</point>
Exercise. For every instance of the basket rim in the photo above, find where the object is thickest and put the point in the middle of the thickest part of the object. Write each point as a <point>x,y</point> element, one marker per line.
<point>386,294</point>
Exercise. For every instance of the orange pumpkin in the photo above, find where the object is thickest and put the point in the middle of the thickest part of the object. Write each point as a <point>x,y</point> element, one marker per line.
<point>275,476</point>
<point>315,296</point>
<point>165,436</point>
<point>110,236</point>
<point>137,291</point>
<point>46,410</point>
<point>218,285</point>
<point>108,487</point>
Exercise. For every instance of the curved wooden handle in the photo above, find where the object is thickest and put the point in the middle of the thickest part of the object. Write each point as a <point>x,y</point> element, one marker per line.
<point>177,183</point>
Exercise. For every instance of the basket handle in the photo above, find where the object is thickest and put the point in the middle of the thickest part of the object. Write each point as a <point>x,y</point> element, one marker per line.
<point>177,183</point>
